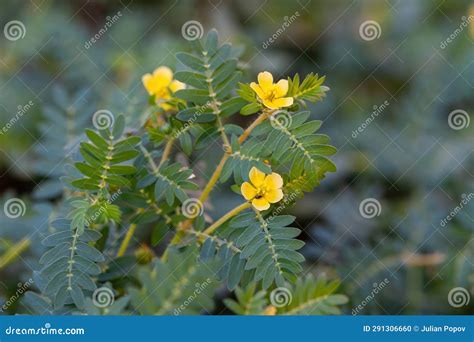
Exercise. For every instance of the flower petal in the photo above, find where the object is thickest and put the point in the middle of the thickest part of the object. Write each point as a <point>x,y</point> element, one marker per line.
<point>165,106</point>
<point>248,191</point>
<point>273,181</point>
<point>176,85</point>
<point>258,90</point>
<point>257,177</point>
<point>265,79</point>
<point>260,204</point>
<point>270,104</point>
<point>273,196</point>
<point>163,76</point>
<point>281,88</point>
<point>282,102</point>
<point>149,84</point>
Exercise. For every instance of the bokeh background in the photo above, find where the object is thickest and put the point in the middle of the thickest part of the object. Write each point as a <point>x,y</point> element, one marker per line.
<point>401,75</point>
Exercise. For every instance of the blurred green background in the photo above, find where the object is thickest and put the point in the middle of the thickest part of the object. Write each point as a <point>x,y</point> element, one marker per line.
<point>401,75</point>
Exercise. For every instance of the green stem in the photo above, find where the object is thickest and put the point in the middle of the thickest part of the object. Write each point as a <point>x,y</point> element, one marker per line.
<point>214,102</point>
<point>214,178</point>
<point>75,237</point>
<point>220,242</point>
<point>261,118</point>
<point>217,172</point>
<point>209,230</point>
<point>14,251</point>
<point>126,240</point>
<point>268,237</point>
<point>167,151</point>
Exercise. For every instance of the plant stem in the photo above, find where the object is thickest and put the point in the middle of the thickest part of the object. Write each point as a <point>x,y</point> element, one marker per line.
<point>14,251</point>
<point>126,240</point>
<point>217,172</point>
<point>166,151</point>
<point>209,230</point>
<point>147,155</point>
<point>214,178</point>
<point>214,102</point>
<point>262,117</point>
<point>220,242</point>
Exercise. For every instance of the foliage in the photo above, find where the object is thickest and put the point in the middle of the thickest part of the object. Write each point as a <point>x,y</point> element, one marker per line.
<point>186,286</point>
<point>124,181</point>
<point>308,296</point>
<point>70,115</point>
<point>408,157</point>
<point>69,264</point>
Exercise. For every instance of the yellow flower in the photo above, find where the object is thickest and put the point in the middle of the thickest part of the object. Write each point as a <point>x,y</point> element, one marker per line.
<point>263,189</point>
<point>161,85</point>
<point>271,94</point>
<point>270,311</point>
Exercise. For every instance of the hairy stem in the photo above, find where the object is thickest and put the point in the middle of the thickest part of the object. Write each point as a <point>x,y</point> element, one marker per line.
<point>261,118</point>
<point>166,151</point>
<point>214,178</point>
<point>126,240</point>
<point>214,103</point>
<point>209,230</point>
<point>217,172</point>
<point>14,251</point>
<point>220,242</point>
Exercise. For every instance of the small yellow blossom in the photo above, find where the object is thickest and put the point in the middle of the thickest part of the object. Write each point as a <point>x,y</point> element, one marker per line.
<point>271,94</point>
<point>263,189</point>
<point>270,311</point>
<point>161,85</point>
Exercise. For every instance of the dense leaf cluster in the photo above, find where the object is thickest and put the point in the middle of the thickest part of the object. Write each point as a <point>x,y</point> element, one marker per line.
<point>126,186</point>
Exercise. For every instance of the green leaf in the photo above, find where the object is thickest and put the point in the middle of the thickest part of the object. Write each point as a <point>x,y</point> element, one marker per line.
<point>251,108</point>
<point>180,278</point>
<point>96,139</point>
<point>191,61</point>
<point>246,92</point>
<point>69,263</point>
<point>191,78</point>
<point>311,89</point>
<point>310,296</point>
<point>249,301</point>
<point>196,96</point>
